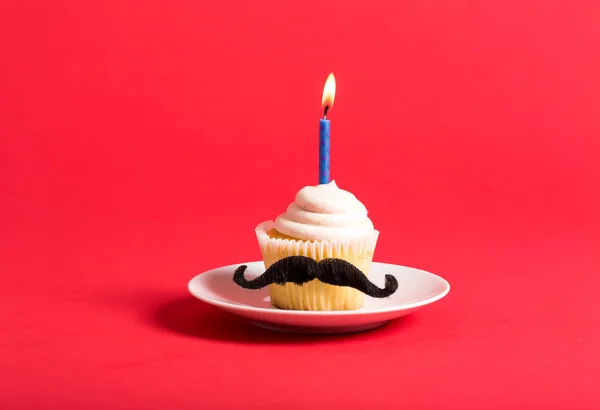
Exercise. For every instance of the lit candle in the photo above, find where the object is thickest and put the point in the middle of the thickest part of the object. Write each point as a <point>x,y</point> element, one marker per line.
<point>324,129</point>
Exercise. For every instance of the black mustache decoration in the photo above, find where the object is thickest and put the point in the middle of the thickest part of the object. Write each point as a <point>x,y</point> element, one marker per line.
<point>301,269</point>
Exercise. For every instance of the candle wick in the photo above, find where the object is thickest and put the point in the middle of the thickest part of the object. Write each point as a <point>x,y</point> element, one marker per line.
<point>325,111</point>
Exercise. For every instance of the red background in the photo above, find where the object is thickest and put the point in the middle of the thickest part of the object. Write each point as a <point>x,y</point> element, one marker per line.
<point>141,142</point>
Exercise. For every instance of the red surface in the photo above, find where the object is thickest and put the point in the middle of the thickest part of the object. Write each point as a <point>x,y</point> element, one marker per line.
<point>141,142</point>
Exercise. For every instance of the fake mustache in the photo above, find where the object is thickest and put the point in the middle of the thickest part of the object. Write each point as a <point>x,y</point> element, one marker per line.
<point>301,269</point>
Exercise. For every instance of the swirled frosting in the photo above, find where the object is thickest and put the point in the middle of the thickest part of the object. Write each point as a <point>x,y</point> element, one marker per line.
<point>324,212</point>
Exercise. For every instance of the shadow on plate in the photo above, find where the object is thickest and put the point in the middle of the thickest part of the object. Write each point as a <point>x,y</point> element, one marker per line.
<point>188,316</point>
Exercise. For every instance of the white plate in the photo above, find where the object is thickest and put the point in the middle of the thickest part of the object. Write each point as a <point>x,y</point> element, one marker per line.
<point>416,289</point>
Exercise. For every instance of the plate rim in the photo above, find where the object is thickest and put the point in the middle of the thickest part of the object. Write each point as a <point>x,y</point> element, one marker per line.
<point>233,306</point>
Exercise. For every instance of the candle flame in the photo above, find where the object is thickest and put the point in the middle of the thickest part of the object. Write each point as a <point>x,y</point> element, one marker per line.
<point>329,92</point>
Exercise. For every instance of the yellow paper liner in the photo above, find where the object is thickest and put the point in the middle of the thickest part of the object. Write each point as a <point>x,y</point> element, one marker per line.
<point>315,295</point>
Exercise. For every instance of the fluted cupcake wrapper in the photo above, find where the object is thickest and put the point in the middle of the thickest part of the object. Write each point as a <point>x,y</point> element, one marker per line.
<point>316,295</point>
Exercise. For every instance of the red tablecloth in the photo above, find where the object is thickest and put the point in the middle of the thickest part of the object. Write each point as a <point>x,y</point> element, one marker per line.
<point>141,142</point>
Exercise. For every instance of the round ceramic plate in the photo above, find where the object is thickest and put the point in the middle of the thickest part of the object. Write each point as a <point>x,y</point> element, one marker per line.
<point>416,289</point>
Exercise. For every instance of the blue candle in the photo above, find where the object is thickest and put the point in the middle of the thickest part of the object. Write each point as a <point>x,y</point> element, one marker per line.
<point>326,103</point>
<point>324,151</point>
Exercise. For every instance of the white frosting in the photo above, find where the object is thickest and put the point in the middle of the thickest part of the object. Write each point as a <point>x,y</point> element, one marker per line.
<point>325,212</point>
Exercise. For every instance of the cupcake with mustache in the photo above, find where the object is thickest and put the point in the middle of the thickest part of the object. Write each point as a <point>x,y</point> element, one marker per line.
<point>324,222</point>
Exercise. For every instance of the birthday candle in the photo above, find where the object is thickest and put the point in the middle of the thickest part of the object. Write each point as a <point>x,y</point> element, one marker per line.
<point>324,130</point>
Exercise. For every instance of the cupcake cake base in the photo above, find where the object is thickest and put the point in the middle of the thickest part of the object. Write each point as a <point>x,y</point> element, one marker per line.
<point>315,295</point>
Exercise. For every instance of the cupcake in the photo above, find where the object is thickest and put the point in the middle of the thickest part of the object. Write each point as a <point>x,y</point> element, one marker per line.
<point>323,222</point>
